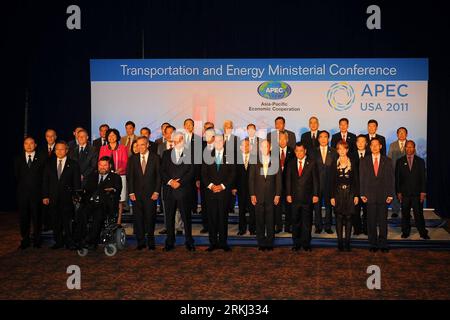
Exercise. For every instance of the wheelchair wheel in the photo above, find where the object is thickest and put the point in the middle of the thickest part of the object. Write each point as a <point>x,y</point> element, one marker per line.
<point>120,238</point>
<point>110,249</point>
<point>83,252</point>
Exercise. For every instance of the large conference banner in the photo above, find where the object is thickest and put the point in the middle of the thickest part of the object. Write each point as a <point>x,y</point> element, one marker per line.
<point>152,91</point>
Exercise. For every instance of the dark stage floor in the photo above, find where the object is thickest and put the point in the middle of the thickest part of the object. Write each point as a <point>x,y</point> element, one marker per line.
<point>244,273</point>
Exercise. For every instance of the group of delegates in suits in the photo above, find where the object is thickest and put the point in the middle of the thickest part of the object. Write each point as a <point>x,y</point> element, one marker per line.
<point>280,184</point>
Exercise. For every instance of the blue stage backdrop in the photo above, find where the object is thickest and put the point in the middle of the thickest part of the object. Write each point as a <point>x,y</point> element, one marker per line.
<point>152,91</point>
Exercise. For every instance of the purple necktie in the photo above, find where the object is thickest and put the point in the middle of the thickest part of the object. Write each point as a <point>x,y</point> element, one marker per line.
<point>410,161</point>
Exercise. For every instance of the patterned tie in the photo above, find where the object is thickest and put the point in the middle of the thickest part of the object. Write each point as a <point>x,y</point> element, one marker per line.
<point>343,137</point>
<point>59,169</point>
<point>246,161</point>
<point>29,161</point>
<point>401,147</point>
<point>300,168</point>
<point>49,151</point>
<point>324,155</point>
<point>143,164</point>
<point>375,166</point>
<point>265,168</point>
<point>360,155</point>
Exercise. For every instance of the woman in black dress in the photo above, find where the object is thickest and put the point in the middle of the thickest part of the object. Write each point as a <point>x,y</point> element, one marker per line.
<point>344,194</point>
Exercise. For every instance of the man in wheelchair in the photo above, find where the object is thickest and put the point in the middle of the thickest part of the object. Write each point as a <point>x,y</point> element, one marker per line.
<point>98,201</point>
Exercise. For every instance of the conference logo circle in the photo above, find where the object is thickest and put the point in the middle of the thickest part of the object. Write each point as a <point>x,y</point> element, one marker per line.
<point>274,90</point>
<point>341,96</point>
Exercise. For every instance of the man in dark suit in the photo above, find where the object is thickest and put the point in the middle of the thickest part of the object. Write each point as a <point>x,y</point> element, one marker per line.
<point>207,147</point>
<point>231,150</point>
<point>324,157</point>
<point>177,173</point>
<point>310,139</point>
<point>61,179</point>
<point>144,185</point>
<point>85,154</point>
<point>410,185</point>
<point>241,189</point>
<point>28,168</point>
<point>377,188</point>
<point>162,139</point>
<point>302,189</point>
<point>100,199</point>
<point>153,146</point>
<point>372,127</point>
<point>218,177</point>
<point>253,139</point>
<point>47,152</point>
<point>101,140</point>
<point>73,143</point>
<point>265,184</point>
<point>285,154</point>
<point>360,221</point>
<point>193,145</point>
<point>280,125</point>
<point>345,135</point>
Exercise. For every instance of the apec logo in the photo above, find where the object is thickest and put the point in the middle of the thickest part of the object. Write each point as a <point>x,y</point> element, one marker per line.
<point>341,96</point>
<point>274,90</point>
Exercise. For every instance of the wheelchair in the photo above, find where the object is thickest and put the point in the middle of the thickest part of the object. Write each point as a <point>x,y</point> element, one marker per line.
<point>112,235</point>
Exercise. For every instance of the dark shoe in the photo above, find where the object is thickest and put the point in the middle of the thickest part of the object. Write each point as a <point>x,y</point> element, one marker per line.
<point>241,233</point>
<point>373,249</point>
<point>37,245</point>
<point>425,237</point>
<point>24,245</point>
<point>318,231</point>
<point>329,231</point>
<point>203,231</point>
<point>56,246</point>
<point>348,248</point>
<point>163,231</point>
<point>210,249</point>
<point>405,235</point>
<point>179,233</point>
<point>252,233</point>
<point>190,247</point>
<point>364,232</point>
<point>308,248</point>
<point>140,247</point>
<point>394,215</point>
<point>385,250</point>
<point>296,248</point>
<point>269,248</point>
<point>288,229</point>
<point>151,247</point>
<point>340,247</point>
<point>261,249</point>
<point>226,249</point>
<point>357,232</point>
<point>168,248</point>
<point>278,231</point>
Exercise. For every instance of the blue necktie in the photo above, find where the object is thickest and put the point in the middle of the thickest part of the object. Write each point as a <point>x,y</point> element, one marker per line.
<point>218,162</point>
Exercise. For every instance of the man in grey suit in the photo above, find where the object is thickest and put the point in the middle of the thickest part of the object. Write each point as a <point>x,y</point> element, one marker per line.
<point>396,151</point>
<point>280,123</point>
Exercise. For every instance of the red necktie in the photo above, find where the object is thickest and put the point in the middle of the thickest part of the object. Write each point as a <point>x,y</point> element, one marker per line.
<point>375,166</point>
<point>300,168</point>
<point>283,158</point>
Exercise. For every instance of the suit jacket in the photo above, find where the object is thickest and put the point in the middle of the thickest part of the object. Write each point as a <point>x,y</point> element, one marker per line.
<point>233,142</point>
<point>324,169</point>
<point>161,148</point>
<point>292,140</point>
<point>144,185</point>
<point>383,143</point>
<point>87,161</point>
<point>93,188</point>
<point>410,182</point>
<point>225,175</point>
<point>29,179</point>
<point>350,139</point>
<point>195,149</point>
<point>153,147</point>
<point>303,188</point>
<point>242,177</point>
<point>264,188</point>
<point>182,170</point>
<point>255,146</point>
<point>62,189</point>
<point>43,152</point>
<point>307,140</point>
<point>395,153</point>
<point>376,188</point>
<point>123,141</point>
<point>97,143</point>
<point>290,155</point>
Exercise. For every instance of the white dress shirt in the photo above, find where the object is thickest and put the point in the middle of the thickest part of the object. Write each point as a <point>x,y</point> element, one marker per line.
<point>63,163</point>
<point>27,154</point>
